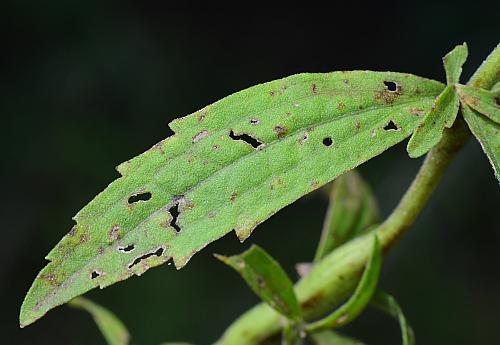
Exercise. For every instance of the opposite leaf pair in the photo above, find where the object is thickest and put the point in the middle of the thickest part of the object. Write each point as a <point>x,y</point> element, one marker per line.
<point>480,108</point>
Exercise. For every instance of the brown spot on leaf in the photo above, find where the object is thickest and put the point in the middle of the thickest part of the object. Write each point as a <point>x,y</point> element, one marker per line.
<point>303,139</point>
<point>100,251</point>
<point>272,93</point>
<point>50,278</point>
<point>215,147</point>
<point>313,301</point>
<point>358,125</point>
<point>417,111</point>
<point>114,234</point>
<point>314,89</point>
<point>203,134</point>
<point>341,106</point>
<point>84,238</point>
<point>314,184</point>
<point>280,131</point>
<point>211,214</point>
<point>233,196</point>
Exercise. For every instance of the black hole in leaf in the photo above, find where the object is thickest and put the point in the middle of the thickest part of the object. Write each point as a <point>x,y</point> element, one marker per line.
<point>327,141</point>
<point>254,121</point>
<point>174,212</point>
<point>391,86</point>
<point>246,138</point>
<point>126,249</point>
<point>139,197</point>
<point>391,126</point>
<point>158,253</point>
<point>94,274</point>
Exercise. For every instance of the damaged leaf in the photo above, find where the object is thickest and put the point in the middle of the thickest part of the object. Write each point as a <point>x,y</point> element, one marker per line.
<point>429,132</point>
<point>482,101</point>
<point>230,166</point>
<point>359,299</point>
<point>487,133</point>
<point>389,305</point>
<point>351,211</point>
<point>267,279</point>
<point>113,330</point>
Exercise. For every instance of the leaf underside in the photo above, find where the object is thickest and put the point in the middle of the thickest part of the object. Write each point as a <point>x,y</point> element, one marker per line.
<point>230,165</point>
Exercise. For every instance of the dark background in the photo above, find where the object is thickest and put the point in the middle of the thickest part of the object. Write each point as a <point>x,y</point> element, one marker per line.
<point>87,85</point>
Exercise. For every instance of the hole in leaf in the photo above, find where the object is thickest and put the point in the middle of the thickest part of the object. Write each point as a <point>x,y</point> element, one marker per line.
<point>391,86</point>
<point>246,138</point>
<point>174,212</point>
<point>391,126</point>
<point>254,121</point>
<point>95,274</point>
<point>126,249</point>
<point>327,141</point>
<point>158,252</point>
<point>139,197</point>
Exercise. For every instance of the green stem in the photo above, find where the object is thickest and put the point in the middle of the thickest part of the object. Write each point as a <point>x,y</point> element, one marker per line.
<point>334,278</point>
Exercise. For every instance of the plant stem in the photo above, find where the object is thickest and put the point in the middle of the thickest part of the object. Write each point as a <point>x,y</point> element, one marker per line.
<point>332,279</point>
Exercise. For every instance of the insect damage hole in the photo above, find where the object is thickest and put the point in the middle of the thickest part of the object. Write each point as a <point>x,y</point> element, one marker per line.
<point>158,252</point>
<point>328,141</point>
<point>95,274</point>
<point>391,126</point>
<point>139,197</point>
<point>174,212</point>
<point>391,86</point>
<point>126,249</point>
<point>246,138</point>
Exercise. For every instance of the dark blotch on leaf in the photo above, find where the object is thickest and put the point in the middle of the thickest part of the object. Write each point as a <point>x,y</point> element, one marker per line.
<point>327,141</point>
<point>174,212</point>
<point>126,249</point>
<point>246,138</point>
<point>139,197</point>
<point>391,86</point>
<point>391,126</point>
<point>158,252</point>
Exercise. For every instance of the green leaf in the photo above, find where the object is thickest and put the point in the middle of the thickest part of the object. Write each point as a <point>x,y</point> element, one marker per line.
<point>359,299</point>
<point>352,210</point>
<point>453,62</point>
<point>496,89</point>
<point>483,101</point>
<point>231,165</point>
<point>388,304</point>
<point>333,338</point>
<point>267,279</point>
<point>113,330</point>
<point>487,133</point>
<point>429,132</point>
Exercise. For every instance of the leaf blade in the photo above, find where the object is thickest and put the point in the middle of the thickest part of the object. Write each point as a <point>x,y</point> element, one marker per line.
<point>203,170</point>
<point>267,279</point>
<point>388,304</point>
<point>351,210</point>
<point>481,100</point>
<point>429,132</point>
<point>113,330</point>
<point>359,299</point>
<point>487,133</point>
<point>453,62</point>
